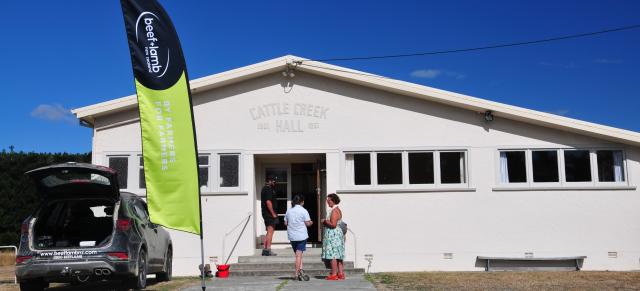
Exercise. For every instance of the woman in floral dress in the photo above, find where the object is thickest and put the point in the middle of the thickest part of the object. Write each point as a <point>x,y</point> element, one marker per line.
<point>333,239</point>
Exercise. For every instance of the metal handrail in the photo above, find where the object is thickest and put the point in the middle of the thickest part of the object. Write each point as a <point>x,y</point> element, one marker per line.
<point>355,247</point>
<point>224,239</point>
<point>15,252</point>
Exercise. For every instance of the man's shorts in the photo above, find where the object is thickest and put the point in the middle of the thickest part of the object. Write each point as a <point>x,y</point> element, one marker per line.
<point>270,221</point>
<point>299,245</point>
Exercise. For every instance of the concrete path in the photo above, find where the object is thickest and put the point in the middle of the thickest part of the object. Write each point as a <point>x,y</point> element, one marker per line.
<point>356,282</point>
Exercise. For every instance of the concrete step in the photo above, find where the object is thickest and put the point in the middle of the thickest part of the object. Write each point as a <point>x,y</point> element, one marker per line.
<point>289,273</point>
<point>283,266</point>
<point>289,252</point>
<point>275,259</point>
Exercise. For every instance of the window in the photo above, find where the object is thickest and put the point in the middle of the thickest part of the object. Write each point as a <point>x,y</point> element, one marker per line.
<point>141,180</point>
<point>421,168</point>
<point>141,210</point>
<point>577,166</point>
<point>389,168</point>
<point>407,169</point>
<point>120,165</point>
<point>545,166</point>
<point>203,171</point>
<point>580,167</point>
<point>361,169</point>
<point>610,166</point>
<point>452,168</point>
<point>229,168</point>
<point>513,167</point>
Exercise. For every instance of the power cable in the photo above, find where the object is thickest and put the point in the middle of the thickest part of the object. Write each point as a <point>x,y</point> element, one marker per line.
<point>339,70</point>
<point>478,48</point>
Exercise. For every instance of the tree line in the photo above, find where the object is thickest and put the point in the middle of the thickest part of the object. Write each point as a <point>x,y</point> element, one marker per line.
<point>18,197</point>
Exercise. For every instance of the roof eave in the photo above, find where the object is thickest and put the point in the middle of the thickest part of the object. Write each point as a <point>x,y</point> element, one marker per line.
<point>89,113</point>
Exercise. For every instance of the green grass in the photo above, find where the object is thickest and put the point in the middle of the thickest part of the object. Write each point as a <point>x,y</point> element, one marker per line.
<point>583,280</point>
<point>281,285</point>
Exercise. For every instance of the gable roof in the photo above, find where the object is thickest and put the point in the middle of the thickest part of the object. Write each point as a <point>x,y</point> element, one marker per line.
<point>89,113</point>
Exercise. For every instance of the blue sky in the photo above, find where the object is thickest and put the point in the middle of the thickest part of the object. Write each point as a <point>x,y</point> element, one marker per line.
<point>60,55</point>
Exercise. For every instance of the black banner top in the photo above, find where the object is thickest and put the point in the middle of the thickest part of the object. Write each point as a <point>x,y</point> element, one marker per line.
<point>156,54</point>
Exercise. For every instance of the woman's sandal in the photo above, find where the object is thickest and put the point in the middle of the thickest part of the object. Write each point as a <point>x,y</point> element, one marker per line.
<point>332,277</point>
<point>340,276</point>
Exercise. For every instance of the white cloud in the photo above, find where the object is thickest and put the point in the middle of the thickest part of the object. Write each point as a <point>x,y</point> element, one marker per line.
<point>433,73</point>
<point>607,61</point>
<point>426,74</point>
<point>53,112</point>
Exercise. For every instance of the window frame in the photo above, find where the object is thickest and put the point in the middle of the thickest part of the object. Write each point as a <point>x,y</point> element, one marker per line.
<point>564,168</point>
<point>141,167</point>
<point>527,171</point>
<point>596,175</point>
<point>465,171</point>
<point>216,172</point>
<point>131,175</point>
<point>134,166</point>
<point>209,165</point>
<point>562,180</point>
<point>349,171</point>
<point>406,168</point>
<point>559,167</point>
<point>375,165</point>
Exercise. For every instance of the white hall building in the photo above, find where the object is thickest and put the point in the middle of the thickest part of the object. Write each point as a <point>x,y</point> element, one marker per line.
<point>429,179</point>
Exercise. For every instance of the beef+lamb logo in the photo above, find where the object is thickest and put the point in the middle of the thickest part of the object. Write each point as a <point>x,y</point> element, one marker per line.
<point>158,54</point>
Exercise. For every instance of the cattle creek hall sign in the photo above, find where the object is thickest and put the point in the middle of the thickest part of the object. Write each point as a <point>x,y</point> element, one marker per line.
<point>283,117</point>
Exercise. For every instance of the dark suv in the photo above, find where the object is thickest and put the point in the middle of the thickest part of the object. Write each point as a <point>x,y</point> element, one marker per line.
<point>87,230</point>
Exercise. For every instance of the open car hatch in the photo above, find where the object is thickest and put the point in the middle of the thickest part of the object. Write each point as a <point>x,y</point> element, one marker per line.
<point>76,179</point>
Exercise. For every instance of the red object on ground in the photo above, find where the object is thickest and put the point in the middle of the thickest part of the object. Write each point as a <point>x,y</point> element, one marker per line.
<point>223,271</point>
<point>332,278</point>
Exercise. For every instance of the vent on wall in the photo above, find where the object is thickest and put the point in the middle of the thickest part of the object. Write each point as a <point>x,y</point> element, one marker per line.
<point>447,256</point>
<point>612,255</point>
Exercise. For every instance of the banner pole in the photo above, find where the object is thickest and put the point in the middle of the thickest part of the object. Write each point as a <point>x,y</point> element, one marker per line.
<point>195,143</point>
<point>204,287</point>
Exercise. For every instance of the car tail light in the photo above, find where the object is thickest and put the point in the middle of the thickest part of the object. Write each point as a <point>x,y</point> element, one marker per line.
<point>23,259</point>
<point>123,224</point>
<point>118,256</point>
<point>24,229</point>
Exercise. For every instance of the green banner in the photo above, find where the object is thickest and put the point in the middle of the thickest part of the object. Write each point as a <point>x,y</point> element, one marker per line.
<point>169,146</point>
<point>169,157</point>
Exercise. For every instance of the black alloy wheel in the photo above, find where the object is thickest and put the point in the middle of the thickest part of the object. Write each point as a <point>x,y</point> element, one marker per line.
<point>166,274</point>
<point>140,282</point>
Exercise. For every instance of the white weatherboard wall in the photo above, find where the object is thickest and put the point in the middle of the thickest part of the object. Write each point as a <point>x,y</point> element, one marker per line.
<point>404,231</point>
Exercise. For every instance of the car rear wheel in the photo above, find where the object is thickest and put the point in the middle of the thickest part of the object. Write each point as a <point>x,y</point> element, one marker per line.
<point>34,285</point>
<point>140,281</point>
<point>165,275</point>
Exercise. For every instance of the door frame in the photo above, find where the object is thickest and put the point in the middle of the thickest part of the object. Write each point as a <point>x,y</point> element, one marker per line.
<point>262,161</point>
<point>280,236</point>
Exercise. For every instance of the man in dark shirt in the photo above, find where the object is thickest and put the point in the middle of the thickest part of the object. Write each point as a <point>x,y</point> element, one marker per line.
<point>268,213</point>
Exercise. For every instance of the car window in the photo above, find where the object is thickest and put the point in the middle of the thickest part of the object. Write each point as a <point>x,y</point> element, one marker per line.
<point>144,207</point>
<point>140,211</point>
<point>69,177</point>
